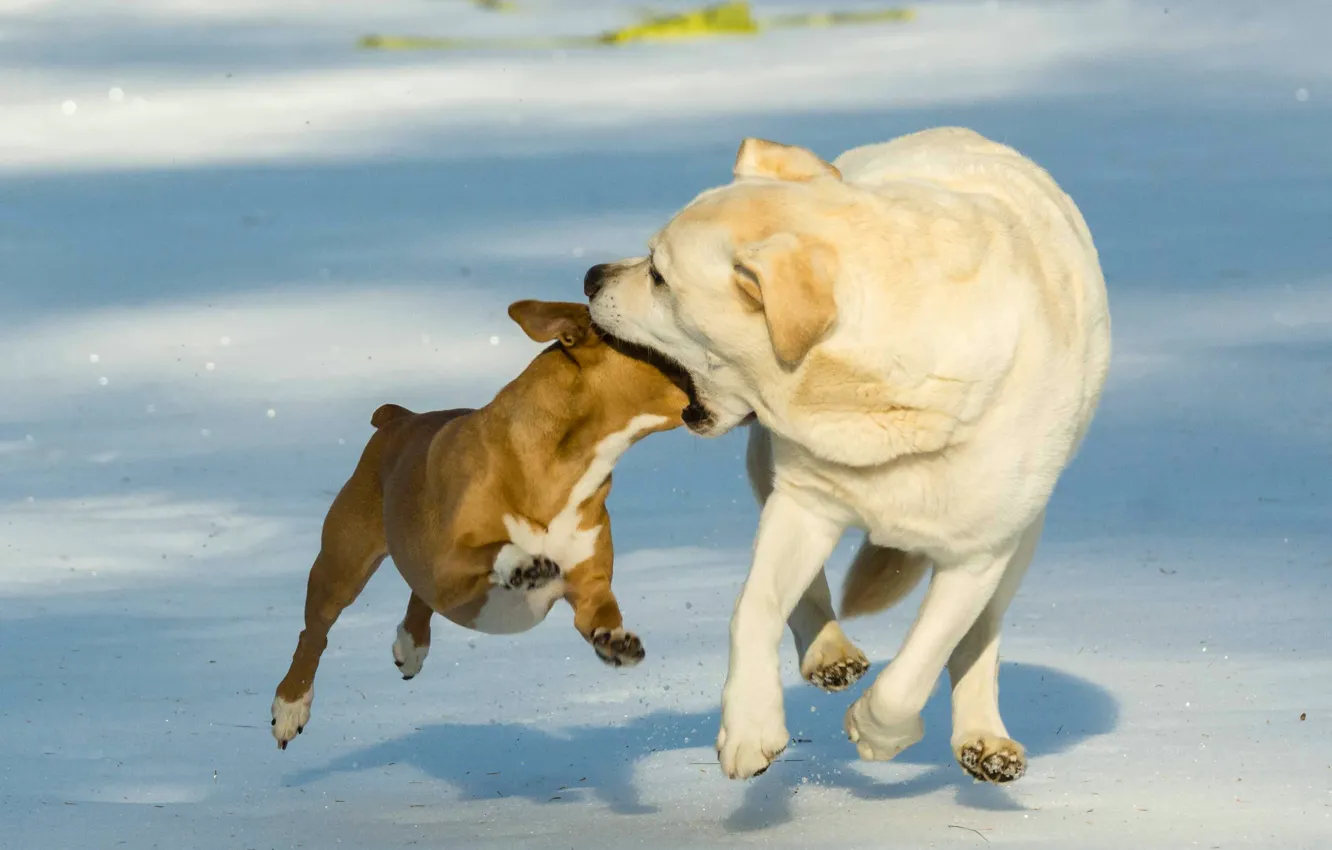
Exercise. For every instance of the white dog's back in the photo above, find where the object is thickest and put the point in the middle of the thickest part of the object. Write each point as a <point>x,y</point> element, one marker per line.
<point>962,160</point>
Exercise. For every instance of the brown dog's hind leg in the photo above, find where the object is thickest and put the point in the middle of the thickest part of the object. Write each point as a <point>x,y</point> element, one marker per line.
<point>413,641</point>
<point>353,545</point>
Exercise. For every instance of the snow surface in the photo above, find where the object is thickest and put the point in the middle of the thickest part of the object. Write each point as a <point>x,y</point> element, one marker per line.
<point>226,236</point>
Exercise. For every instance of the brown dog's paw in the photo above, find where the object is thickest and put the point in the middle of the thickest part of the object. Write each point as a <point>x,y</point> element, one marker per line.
<point>289,718</point>
<point>407,655</point>
<point>617,647</point>
<point>539,572</point>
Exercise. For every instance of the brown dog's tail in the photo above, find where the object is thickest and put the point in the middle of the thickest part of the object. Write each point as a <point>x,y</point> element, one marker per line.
<point>386,413</point>
<point>879,578</point>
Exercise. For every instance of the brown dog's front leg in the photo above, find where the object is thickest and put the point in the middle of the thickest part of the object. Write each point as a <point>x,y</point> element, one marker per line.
<point>596,613</point>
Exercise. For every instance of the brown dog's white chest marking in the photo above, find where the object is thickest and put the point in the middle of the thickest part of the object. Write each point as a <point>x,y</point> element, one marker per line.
<point>510,610</point>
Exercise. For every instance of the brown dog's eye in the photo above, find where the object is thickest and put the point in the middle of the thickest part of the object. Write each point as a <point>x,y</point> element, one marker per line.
<point>657,279</point>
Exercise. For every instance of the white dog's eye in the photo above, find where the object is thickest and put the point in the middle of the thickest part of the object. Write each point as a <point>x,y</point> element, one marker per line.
<point>657,279</point>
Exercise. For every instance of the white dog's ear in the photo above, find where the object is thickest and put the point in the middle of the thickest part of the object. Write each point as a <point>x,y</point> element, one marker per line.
<point>761,158</point>
<point>790,278</point>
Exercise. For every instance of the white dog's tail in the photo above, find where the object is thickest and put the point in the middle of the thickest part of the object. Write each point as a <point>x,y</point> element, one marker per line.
<point>879,578</point>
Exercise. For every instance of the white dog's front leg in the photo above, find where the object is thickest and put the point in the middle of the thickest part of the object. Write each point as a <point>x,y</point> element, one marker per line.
<point>793,542</point>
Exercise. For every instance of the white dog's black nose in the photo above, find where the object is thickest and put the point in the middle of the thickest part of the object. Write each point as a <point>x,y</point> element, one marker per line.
<point>593,279</point>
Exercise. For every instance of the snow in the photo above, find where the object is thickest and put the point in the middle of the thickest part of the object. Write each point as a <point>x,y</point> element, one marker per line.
<point>187,184</point>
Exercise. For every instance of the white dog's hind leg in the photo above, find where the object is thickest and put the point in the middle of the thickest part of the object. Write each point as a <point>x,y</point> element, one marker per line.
<point>886,720</point>
<point>792,544</point>
<point>828,658</point>
<point>980,739</point>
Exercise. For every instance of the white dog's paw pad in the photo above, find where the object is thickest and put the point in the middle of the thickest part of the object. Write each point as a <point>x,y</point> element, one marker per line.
<point>617,647</point>
<point>407,655</point>
<point>832,662</point>
<point>839,675</point>
<point>992,759</point>
<point>289,718</point>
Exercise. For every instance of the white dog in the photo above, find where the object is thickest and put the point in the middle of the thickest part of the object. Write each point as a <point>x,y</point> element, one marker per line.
<point>921,330</point>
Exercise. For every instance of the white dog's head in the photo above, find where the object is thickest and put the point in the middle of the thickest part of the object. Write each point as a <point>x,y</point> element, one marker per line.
<point>739,286</point>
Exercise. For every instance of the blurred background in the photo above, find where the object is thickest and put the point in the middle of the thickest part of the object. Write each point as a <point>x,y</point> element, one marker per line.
<point>229,229</point>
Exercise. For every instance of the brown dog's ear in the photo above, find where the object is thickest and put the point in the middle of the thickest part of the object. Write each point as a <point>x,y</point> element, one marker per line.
<point>546,320</point>
<point>761,158</point>
<point>790,278</point>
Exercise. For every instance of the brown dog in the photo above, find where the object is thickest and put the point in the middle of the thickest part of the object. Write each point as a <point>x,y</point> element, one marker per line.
<point>491,515</point>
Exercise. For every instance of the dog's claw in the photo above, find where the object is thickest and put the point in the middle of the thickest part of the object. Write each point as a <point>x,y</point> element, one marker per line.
<point>617,647</point>
<point>540,572</point>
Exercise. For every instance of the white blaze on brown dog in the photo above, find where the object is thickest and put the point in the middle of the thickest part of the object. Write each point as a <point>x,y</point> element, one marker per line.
<point>491,515</point>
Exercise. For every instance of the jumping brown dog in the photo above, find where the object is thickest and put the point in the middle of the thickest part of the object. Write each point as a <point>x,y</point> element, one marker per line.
<point>492,515</point>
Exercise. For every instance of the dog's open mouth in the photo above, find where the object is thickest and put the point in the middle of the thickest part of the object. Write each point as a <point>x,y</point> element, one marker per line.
<point>696,416</point>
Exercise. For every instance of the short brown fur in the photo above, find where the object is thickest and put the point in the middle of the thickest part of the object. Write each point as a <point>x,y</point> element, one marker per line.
<point>431,489</point>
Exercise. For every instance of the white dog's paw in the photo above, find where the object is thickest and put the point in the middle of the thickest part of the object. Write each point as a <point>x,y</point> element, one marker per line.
<point>877,740</point>
<point>991,758</point>
<point>747,749</point>
<point>289,718</point>
<point>407,655</point>
<point>833,662</point>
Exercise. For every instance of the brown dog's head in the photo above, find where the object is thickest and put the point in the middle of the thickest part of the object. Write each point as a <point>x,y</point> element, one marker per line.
<point>629,381</point>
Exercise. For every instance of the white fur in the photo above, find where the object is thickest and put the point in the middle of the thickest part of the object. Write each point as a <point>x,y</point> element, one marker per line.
<point>982,350</point>
<point>509,558</point>
<point>563,541</point>
<point>792,545</point>
<point>290,717</point>
<point>508,611</point>
<point>409,656</point>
